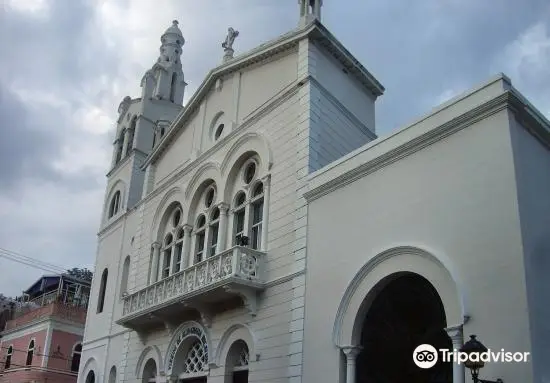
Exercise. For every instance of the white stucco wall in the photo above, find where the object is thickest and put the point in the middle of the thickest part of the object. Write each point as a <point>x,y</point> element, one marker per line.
<point>346,89</point>
<point>456,199</point>
<point>532,163</point>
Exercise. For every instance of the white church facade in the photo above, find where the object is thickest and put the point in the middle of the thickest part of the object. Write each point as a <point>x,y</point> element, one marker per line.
<point>263,233</point>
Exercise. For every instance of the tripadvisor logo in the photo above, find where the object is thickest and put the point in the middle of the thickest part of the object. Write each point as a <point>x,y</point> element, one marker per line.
<point>426,356</point>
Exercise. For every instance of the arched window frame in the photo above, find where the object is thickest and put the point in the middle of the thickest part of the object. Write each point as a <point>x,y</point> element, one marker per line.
<point>30,352</point>
<point>7,363</point>
<point>214,228</point>
<point>207,224</point>
<point>124,277</point>
<point>248,216</point>
<point>75,357</point>
<point>112,374</point>
<point>173,86</point>
<point>102,291</point>
<point>218,127</point>
<point>114,204</point>
<point>256,215</point>
<point>90,378</point>
<point>172,244</point>
<point>131,135</point>
<point>200,238</point>
<point>239,215</point>
<point>120,146</point>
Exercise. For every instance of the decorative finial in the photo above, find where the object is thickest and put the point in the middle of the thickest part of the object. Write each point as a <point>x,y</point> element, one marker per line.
<point>175,22</point>
<point>228,43</point>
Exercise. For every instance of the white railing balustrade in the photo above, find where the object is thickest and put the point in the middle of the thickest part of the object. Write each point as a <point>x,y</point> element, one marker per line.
<point>237,263</point>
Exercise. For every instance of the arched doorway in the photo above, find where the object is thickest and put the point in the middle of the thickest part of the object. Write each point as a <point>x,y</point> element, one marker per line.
<point>149,372</point>
<point>404,311</point>
<point>236,364</point>
<point>90,378</point>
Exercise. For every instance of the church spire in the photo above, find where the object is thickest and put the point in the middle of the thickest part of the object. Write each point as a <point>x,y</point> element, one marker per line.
<point>165,81</point>
<point>310,10</point>
<point>171,43</point>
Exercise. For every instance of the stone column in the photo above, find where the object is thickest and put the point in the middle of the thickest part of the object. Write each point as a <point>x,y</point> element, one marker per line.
<point>455,333</point>
<point>222,230</point>
<point>186,256</point>
<point>265,213</point>
<point>153,273</point>
<point>351,353</point>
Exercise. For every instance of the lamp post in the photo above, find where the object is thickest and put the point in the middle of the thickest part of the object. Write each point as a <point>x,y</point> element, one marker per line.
<point>475,363</point>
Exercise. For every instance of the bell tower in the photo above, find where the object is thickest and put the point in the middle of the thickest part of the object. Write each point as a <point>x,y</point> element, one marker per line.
<point>309,10</point>
<point>165,80</point>
<point>142,120</point>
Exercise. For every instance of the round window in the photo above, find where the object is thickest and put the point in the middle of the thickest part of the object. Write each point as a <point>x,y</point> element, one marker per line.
<point>219,131</point>
<point>249,172</point>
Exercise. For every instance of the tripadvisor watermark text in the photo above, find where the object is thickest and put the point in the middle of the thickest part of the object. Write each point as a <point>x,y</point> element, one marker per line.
<point>426,356</point>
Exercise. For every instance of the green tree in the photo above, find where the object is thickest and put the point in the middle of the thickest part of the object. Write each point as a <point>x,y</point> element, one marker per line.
<point>83,274</point>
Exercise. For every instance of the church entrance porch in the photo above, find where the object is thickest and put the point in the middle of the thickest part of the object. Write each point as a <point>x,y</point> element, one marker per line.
<point>404,312</point>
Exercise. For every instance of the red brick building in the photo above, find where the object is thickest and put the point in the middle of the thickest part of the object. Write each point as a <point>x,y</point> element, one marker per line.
<point>42,340</point>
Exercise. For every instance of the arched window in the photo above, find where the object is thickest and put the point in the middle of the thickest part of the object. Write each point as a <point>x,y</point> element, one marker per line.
<point>248,213</point>
<point>119,146</point>
<point>167,255</point>
<point>30,353</point>
<point>114,206</point>
<point>125,273</point>
<point>172,244</point>
<point>112,375</point>
<point>219,131</point>
<point>102,290</point>
<point>214,230</point>
<point>200,236</point>
<point>75,359</point>
<point>239,206</point>
<point>7,364</point>
<point>256,216</point>
<point>131,134</point>
<point>207,225</point>
<point>90,378</point>
<point>173,87</point>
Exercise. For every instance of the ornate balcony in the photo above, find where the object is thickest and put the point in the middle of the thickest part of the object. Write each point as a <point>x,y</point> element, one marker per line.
<point>232,277</point>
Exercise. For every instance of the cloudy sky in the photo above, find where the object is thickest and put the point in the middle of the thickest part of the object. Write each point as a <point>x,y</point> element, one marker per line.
<point>66,64</point>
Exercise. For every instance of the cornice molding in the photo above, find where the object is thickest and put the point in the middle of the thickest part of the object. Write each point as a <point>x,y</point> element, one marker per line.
<point>506,100</point>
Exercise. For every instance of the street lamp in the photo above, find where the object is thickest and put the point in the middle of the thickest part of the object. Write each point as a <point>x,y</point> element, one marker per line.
<point>475,347</point>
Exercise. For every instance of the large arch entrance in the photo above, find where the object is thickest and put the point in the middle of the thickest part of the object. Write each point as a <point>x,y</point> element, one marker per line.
<point>403,311</point>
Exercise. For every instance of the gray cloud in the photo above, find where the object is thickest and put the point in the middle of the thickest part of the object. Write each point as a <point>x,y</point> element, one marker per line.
<point>24,149</point>
<point>65,68</point>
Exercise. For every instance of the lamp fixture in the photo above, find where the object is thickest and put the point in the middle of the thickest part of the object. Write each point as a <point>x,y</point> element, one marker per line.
<point>474,364</point>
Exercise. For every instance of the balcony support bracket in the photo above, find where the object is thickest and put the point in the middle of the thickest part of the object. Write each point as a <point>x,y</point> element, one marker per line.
<point>249,297</point>
<point>204,311</point>
<point>142,335</point>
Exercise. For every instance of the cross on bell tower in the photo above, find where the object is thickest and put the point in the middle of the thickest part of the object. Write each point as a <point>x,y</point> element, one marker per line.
<point>310,10</point>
